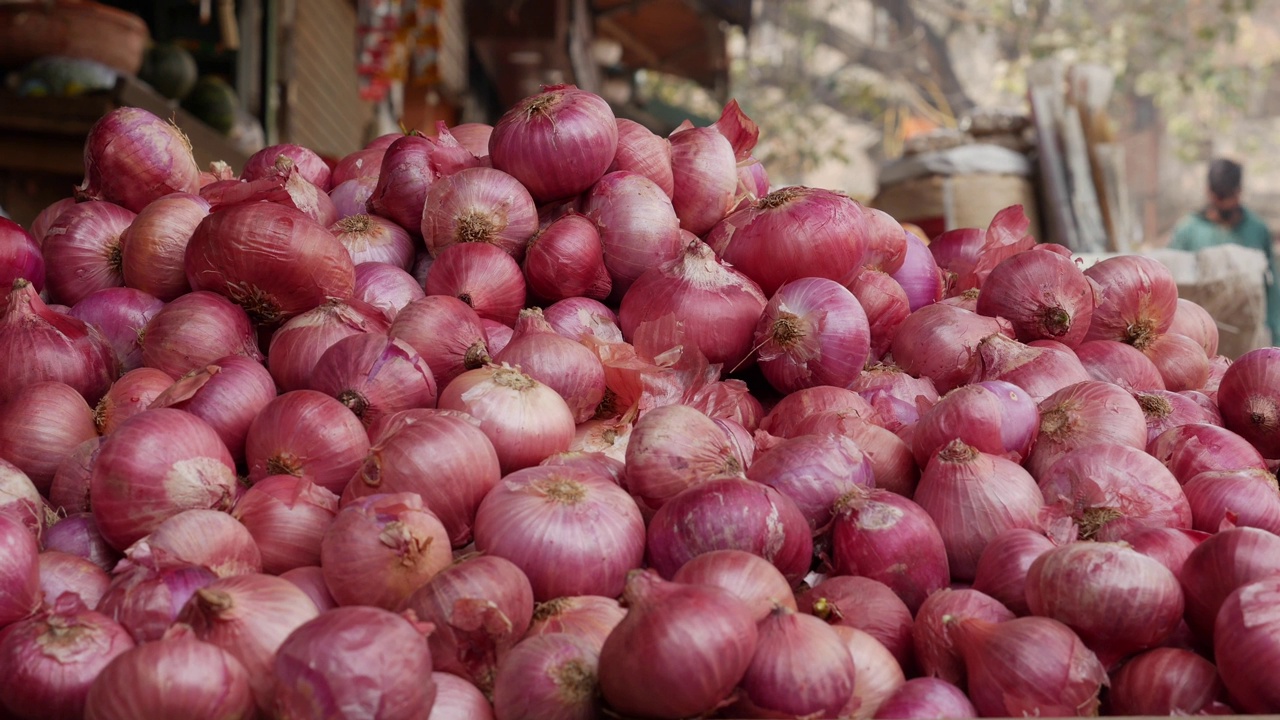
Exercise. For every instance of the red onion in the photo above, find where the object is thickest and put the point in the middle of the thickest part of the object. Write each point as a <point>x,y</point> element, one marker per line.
<point>1137,298</point>
<point>886,242</point>
<point>381,548</point>
<point>815,471</point>
<point>972,498</point>
<point>703,165</point>
<point>1246,644</point>
<point>813,332</point>
<point>877,674</point>
<point>1043,294</point>
<point>750,578</point>
<point>369,238</point>
<point>1166,410</point>
<point>956,252</point>
<point>589,618</point>
<point>993,417</point>
<point>447,460</point>
<point>927,697</point>
<point>310,580</point>
<point>548,678</point>
<point>131,394</point>
<point>496,335</point>
<point>77,534</point>
<point>355,662</point>
<point>374,376</point>
<point>565,366</point>
<point>458,699</point>
<point>865,604</point>
<point>1180,360</point>
<point>603,437</point>
<point>891,461</point>
<point>361,164</point>
<point>642,152</point>
<point>208,538</point>
<point>249,616</point>
<point>121,314</point>
<point>1167,681</point>
<point>897,398</point>
<point>934,630</point>
<point>1003,565</point>
<point>40,425</point>
<point>1208,406</point>
<point>177,676</point>
<point>19,498</point>
<point>793,233</point>
<point>156,465</point>
<point>39,344</point>
<point>83,250</point>
<point>941,342</point>
<point>482,276</point>
<point>409,166</point>
<point>307,434</point>
<point>352,196</point>
<point>446,332</point>
<point>785,419</point>
<point>695,642</point>
<point>753,182</point>
<point>1218,566</point>
<point>572,531</point>
<point>1115,362</point>
<point>46,217</point>
<point>580,317</point>
<point>967,300</point>
<point>556,143</point>
<point>919,276</point>
<point>801,668</point>
<point>481,607</point>
<point>565,259</point>
<point>1118,600</point>
<point>228,394</point>
<point>872,532</point>
<point>479,205</point>
<point>1029,666</point>
<point>1041,370</point>
<point>308,164</point>
<point>1191,449</point>
<point>474,137</point>
<point>1195,322</point>
<point>20,256</point>
<point>730,401</point>
<point>1234,498</point>
<point>48,662</point>
<point>886,306</point>
<point>386,287</point>
<point>1109,490</point>
<point>194,331</point>
<point>1169,546</point>
<point>638,226</point>
<point>19,572</point>
<point>525,420</point>
<point>147,601</point>
<point>132,157</point>
<point>1247,400</point>
<point>674,448</point>
<point>154,245</point>
<point>297,346</point>
<point>1083,415</point>
<point>286,516</point>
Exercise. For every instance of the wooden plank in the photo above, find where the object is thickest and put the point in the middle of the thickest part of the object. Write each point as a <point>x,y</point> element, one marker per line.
<point>1059,218</point>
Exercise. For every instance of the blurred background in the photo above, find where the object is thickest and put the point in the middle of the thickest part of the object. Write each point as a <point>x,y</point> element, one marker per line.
<point>1098,115</point>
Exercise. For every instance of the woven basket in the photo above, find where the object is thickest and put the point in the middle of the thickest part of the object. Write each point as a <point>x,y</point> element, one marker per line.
<point>74,28</point>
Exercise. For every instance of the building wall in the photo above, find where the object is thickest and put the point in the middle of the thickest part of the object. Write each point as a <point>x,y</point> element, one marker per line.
<point>325,112</point>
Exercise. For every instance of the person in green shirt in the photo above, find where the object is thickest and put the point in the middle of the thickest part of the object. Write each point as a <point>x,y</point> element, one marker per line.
<point>1225,220</point>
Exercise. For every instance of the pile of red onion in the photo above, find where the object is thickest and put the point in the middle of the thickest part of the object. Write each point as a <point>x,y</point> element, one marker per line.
<point>563,418</point>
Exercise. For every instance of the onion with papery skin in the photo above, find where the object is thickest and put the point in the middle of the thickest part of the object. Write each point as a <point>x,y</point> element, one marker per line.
<point>286,516</point>
<point>866,605</point>
<point>38,344</point>
<point>272,260</point>
<point>637,224</point>
<point>1180,360</point>
<point>891,462</point>
<point>481,607</point>
<point>1208,405</point>
<point>1246,396</point>
<point>749,577</point>
<point>1169,546</point>
<point>447,460</point>
<point>496,335</point>
<point>283,185</point>
<point>872,531</point>
<point>228,394</point>
<point>1240,498</point>
<point>374,376</point>
<point>704,167</point>
<point>363,163</point>
<point>194,331</point>
<point>572,531</point>
<point>1003,565</point>
<point>588,617</point>
<point>919,276</point>
<point>695,642</point>
<point>1043,294</point>
<point>131,394</point>
<point>525,420</point>
<point>177,676</point>
<point>297,345</point>
<point>474,137</point>
<point>801,667</point>
<point>147,602</point>
<point>753,182</point>
<point>381,548</point>
<point>1041,370</point>
<point>1199,447</point>
<point>307,434</point>
<point>876,673</point>
<point>973,497</point>
<point>897,398</point>
<point>886,306</point>
<point>153,247</point>
<point>605,437</point>
<point>1195,322</point>
<point>156,465</point>
<point>815,471</point>
<point>19,572</point>
<point>567,367</point>
<point>552,677</point>
<point>934,630</point>
<point>121,314</point>
<point>49,662</point>
<point>82,250</point>
<point>1167,681</point>
<point>20,255</point>
<point>641,151</point>
<point>1137,298</point>
<point>354,662</point>
<point>208,538</point>
<point>1115,362</point>
<point>369,238</point>
<point>1029,666</point>
<point>673,448</point>
<point>565,259</point>
<point>249,616</point>
<point>812,332</point>
<point>40,425</point>
<point>352,196</point>
<point>1118,600</point>
<point>557,143</point>
<point>765,522</point>
<point>1221,563</point>
<point>994,417</point>
<point>941,342</point>
<point>409,167</point>
<point>77,534</point>
<point>20,500</point>
<point>307,163</point>
<point>580,317</point>
<point>310,580</point>
<point>458,699</point>
<point>926,697</point>
<point>46,217</point>
<point>386,287</point>
<point>479,205</point>
<point>446,333</point>
<point>1246,644</point>
<point>69,492</point>
<point>1166,409</point>
<point>786,417</point>
<point>482,276</point>
<point>956,252</point>
<point>132,157</point>
<point>1083,415</point>
<point>886,241</point>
